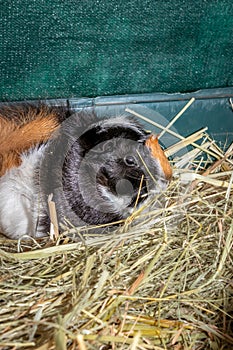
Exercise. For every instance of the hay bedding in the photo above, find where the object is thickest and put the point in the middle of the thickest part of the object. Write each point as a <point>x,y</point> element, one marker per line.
<point>162,280</point>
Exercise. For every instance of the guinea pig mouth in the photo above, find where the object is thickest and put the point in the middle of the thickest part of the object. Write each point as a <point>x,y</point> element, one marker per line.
<point>133,188</point>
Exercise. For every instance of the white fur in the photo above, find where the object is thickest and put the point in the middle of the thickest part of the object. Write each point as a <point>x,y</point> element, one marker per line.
<point>19,205</point>
<point>118,203</point>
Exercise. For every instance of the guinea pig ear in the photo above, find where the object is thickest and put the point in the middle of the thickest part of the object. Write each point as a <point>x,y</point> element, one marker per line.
<point>152,142</point>
<point>156,151</point>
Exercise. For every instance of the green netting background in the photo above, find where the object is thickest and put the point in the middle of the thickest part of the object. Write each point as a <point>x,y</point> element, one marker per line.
<point>62,49</point>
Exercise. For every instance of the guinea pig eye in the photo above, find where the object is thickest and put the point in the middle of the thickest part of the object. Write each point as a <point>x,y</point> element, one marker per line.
<point>130,161</point>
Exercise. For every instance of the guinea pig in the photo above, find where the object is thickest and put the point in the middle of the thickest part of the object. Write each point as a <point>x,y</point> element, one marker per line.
<point>98,169</point>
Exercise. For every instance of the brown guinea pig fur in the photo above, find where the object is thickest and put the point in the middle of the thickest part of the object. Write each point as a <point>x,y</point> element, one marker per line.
<point>96,168</point>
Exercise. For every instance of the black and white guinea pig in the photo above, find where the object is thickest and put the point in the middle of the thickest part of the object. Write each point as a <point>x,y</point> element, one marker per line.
<point>96,169</point>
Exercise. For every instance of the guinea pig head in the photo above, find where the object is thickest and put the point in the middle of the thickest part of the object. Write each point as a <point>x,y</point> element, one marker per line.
<point>132,170</point>
<point>111,169</point>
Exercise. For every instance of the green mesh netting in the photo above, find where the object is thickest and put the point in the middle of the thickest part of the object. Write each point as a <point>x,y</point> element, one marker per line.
<point>53,49</point>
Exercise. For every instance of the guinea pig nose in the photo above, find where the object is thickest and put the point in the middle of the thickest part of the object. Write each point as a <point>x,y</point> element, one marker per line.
<point>130,160</point>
